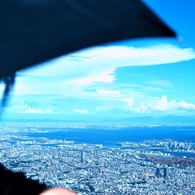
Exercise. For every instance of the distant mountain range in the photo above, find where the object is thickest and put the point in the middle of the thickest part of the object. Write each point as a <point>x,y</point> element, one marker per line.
<point>158,120</point>
<point>133,120</point>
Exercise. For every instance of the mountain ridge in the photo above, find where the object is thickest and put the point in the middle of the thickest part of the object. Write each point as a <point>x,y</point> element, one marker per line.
<point>142,119</point>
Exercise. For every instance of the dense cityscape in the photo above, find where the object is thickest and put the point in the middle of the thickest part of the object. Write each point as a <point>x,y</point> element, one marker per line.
<point>149,167</point>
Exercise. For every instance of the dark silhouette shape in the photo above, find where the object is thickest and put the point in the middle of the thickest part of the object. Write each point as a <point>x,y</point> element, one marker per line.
<point>16,183</point>
<point>33,31</point>
<point>9,83</point>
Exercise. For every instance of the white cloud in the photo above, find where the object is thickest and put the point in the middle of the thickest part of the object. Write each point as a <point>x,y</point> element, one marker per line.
<point>94,61</point>
<point>96,66</point>
<point>129,101</point>
<point>82,111</point>
<point>108,92</point>
<point>105,76</point>
<point>150,55</point>
<point>49,111</point>
<point>153,105</point>
<point>163,104</point>
<point>67,76</point>
<point>102,108</point>
<point>161,83</point>
<point>33,111</point>
<point>38,111</point>
<point>23,107</point>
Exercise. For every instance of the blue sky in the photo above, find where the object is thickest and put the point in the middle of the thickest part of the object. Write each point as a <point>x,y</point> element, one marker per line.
<point>131,78</point>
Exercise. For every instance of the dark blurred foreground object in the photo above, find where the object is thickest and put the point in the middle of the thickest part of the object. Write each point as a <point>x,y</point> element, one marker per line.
<point>9,83</point>
<point>33,31</point>
<point>17,184</point>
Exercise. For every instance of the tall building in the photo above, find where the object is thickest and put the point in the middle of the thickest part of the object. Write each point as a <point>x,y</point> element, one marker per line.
<point>82,156</point>
<point>158,174</point>
<point>166,173</point>
<point>100,171</point>
<point>170,145</point>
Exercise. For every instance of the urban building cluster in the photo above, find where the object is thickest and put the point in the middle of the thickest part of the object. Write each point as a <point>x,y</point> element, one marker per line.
<point>96,169</point>
<point>166,145</point>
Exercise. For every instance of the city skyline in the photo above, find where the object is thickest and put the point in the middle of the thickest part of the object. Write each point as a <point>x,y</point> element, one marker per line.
<point>99,166</point>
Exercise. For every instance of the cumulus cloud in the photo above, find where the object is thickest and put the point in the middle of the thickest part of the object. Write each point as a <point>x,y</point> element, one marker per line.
<point>24,108</point>
<point>164,104</point>
<point>154,105</point>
